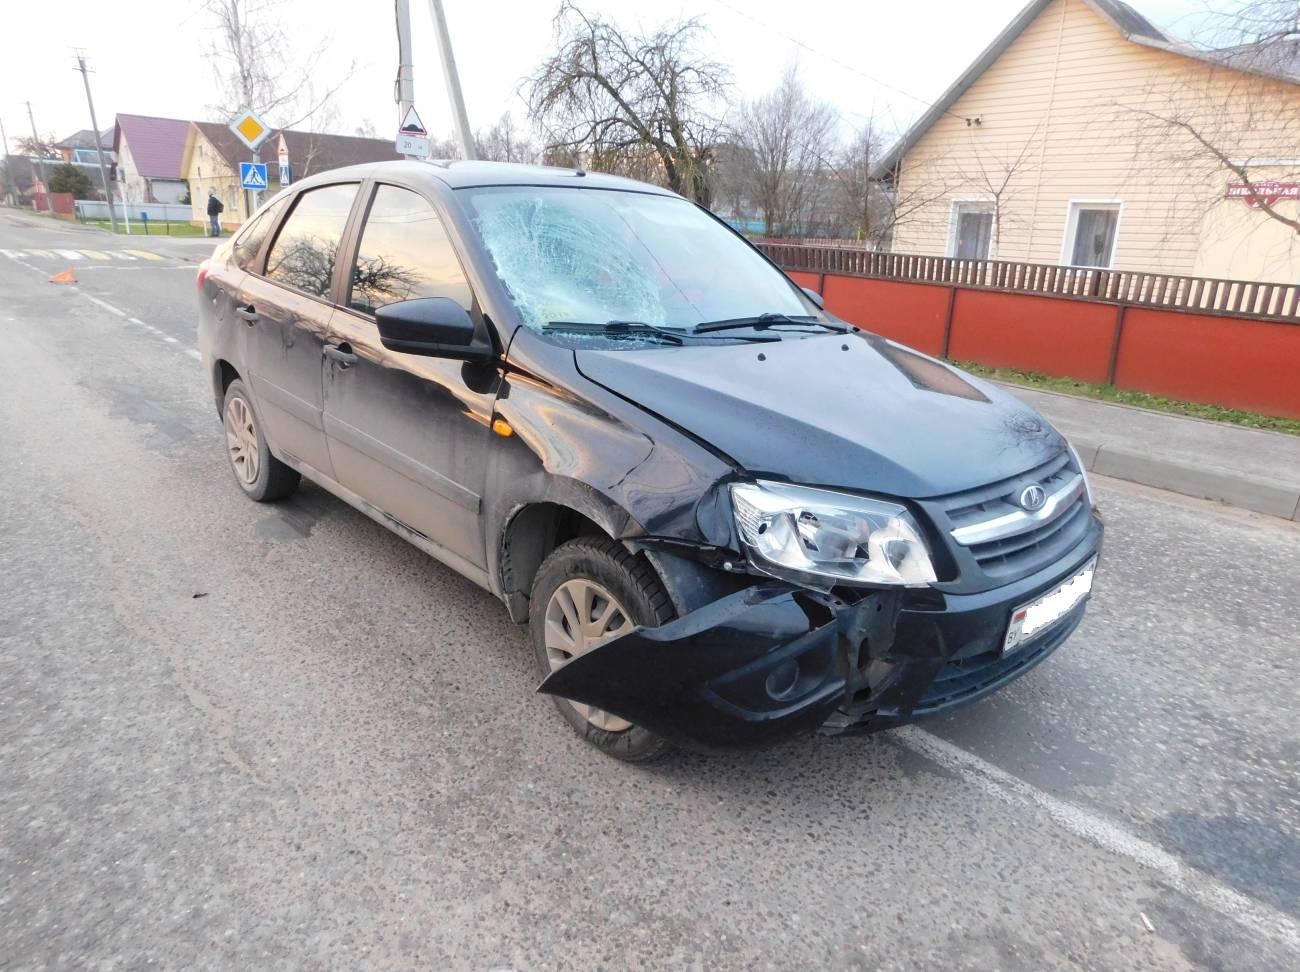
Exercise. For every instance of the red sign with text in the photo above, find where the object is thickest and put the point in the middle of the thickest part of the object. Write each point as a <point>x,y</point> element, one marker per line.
<point>1257,195</point>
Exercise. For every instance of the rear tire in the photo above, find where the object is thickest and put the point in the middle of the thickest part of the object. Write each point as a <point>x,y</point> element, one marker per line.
<point>602,574</point>
<point>261,476</point>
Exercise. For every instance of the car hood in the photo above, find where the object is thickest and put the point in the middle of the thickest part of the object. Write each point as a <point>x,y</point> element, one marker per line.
<point>854,411</point>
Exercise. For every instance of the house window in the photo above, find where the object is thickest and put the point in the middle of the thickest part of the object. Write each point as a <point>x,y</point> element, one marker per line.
<point>1090,234</point>
<point>972,231</point>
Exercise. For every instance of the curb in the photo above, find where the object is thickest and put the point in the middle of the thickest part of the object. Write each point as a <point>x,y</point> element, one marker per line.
<point>1258,495</point>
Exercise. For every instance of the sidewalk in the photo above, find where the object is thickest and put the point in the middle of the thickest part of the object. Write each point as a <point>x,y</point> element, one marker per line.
<point>1249,468</point>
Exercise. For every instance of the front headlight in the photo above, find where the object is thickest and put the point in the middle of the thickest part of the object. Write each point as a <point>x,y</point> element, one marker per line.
<point>821,537</point>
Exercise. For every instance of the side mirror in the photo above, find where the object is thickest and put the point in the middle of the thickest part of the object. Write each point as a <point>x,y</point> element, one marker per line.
<point>815,297</point>
<point>434,326</point>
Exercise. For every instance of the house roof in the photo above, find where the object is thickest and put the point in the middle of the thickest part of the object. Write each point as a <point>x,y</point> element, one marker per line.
<point>1130,24</point>
<point>157,144</point>
<point>309,152</point>
<point>86,139</point>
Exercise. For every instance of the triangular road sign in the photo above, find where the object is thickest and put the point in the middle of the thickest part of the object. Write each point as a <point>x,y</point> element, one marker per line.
<point>411,124</point>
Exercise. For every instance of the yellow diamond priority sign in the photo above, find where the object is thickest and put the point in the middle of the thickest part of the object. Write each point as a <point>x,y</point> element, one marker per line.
<point>252,131</point>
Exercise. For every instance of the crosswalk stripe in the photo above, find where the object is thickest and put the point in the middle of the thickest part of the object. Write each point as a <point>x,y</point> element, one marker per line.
<point>12,254</point>
<point>119,255</point>
<point>96,254</point>
<point>69,254</point>
<point>40,253</point>
<point>145,254</point>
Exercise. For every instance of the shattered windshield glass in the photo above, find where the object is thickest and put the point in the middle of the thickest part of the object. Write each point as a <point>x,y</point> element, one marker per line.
<point>593,256</point>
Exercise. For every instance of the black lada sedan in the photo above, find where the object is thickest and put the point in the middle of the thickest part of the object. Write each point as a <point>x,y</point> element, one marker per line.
<point>726,517</point>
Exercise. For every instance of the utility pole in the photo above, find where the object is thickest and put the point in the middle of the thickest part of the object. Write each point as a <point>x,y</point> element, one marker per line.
<point>40,160</point>
<point>99,148</point>
<point>9,169</point>
<point>464,137</point>
<point>405,68</point>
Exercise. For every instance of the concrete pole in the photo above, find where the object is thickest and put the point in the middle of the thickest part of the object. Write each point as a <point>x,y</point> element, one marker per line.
<point>405,65</point>
<point>9,171</point>
<point>99,149</point>
<point>40,161</point>
<point>464,137</point>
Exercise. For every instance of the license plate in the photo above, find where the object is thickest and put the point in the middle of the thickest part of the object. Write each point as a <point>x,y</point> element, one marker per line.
<point>1032,618</point>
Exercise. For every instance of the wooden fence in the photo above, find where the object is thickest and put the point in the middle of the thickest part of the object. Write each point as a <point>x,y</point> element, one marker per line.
<point>1202,295</point>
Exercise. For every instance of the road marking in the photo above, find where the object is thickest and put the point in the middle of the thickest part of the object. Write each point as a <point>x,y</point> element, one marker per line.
<point>40,253</point>
<point>1101,832</point>
<point>145,254</point>
<point>96,254</point>
<point>12,254</point>
<point>104,304</point>
<point>194,354</point>
<point>121,255</point>
<point>69,254</point>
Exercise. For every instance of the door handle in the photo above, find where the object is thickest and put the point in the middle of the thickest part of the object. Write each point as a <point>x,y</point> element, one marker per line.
<point>342,353</point>
<point>246,312</point>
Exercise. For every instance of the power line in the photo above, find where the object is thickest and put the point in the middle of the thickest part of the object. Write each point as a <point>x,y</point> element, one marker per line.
<point>826,57</point>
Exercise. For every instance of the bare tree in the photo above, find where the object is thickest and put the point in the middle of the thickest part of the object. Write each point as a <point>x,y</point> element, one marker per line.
<point>630,102</point>
<point>251,62</point>
<point>1231,117</point>
<point>865,209</point>
<point>787,136</point>
<point>30,147</point>
<point>504,142</point>
<point>996,175</point>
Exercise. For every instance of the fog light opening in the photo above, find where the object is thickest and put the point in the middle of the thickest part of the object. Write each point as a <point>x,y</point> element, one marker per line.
<point>783,679</point>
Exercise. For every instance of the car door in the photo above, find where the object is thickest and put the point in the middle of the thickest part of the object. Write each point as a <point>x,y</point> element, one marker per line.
<point>288,308</point>
<point>409,433</point>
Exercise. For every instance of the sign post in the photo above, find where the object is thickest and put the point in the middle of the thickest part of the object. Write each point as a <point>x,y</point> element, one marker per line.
<point>412,138</point>
<point>286,174</point>
<point>250,129</point>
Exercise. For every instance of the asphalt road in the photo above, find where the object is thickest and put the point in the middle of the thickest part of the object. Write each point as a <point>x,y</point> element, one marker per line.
<point>235,736</point>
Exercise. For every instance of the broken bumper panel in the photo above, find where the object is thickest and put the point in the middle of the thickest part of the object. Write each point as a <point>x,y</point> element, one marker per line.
<point>772,661</point>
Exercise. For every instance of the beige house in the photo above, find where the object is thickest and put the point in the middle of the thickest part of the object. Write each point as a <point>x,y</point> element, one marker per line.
<point>1085,136</point>
<point>213,154</point>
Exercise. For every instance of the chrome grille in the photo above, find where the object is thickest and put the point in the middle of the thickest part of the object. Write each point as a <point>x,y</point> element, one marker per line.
<point>1007,541</point>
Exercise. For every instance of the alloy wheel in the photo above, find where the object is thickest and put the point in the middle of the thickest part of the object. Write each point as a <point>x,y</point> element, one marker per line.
<point>582,615</point>
<point>241,440</point>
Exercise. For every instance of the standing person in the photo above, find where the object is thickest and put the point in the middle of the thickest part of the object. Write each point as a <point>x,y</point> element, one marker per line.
<point>215,209</point>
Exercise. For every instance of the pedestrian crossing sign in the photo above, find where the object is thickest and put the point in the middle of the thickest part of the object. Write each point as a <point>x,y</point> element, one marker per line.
<point>252,175</point>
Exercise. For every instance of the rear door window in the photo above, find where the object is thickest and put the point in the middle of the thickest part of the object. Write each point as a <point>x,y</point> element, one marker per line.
<point>249,241</point>
<point>305,250</point>
<point>405,253</point>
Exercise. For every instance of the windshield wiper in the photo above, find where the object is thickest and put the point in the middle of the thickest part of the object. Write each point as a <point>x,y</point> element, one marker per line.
<point>630,329</point>
<point>761,322</point>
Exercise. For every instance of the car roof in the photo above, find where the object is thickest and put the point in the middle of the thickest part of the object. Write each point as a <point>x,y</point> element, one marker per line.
<point>458,174</point>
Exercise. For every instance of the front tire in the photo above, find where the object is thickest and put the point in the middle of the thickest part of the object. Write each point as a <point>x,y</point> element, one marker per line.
<point>260,475</point>
<point>587,592</point>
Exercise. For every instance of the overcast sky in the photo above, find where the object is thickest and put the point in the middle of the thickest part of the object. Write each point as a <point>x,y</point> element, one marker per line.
<point>148,55</point>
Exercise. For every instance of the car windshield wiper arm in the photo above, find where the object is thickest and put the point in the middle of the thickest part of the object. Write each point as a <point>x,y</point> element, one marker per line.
<point>633,329</point>
<point>761,322</point>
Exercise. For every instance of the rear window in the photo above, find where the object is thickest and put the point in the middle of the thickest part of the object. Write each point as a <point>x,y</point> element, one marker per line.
<point>304,252</point>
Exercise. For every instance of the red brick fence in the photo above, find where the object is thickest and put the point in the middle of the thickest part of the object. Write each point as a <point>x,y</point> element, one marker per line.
<point>1225,342</point>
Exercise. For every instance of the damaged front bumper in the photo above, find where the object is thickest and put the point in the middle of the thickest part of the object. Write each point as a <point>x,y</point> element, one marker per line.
<point>773,661</point>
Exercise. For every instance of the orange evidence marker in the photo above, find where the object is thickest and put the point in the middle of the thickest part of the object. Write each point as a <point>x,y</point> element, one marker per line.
<point>67,276</point>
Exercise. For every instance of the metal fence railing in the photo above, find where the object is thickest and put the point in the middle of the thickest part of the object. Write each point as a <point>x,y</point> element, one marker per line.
<point>1240,298</point>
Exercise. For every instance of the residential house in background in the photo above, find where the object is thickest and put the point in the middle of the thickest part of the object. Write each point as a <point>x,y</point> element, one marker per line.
<point>79,148</point>
<point>1085,136</point>
<point>213,152</point>
<point>149,153</point>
